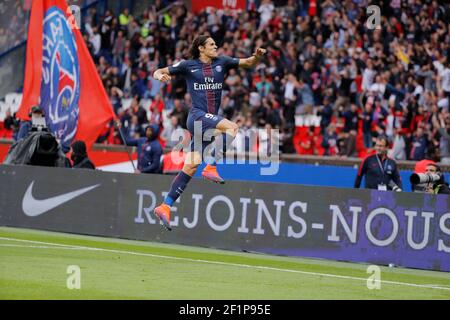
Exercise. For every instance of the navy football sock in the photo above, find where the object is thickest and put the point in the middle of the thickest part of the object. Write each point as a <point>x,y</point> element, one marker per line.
<point>176,189</point>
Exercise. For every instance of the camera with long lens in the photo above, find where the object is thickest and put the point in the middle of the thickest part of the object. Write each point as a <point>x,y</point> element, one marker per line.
<point>419,178</point>
<point>38,123</point>
<point>394,186</point>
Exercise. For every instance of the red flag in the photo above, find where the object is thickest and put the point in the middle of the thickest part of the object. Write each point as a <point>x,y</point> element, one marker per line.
<point>312,7</point>
<point>61,77</point>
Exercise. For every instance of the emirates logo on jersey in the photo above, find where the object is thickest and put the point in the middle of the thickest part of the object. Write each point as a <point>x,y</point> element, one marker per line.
<point>208,85</point>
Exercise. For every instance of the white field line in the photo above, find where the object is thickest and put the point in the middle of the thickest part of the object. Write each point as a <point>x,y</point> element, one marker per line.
<point>71,247</point>
<point>40,247</point>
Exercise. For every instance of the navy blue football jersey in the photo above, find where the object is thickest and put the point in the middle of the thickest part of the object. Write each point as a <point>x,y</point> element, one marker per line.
<point>205,80</point>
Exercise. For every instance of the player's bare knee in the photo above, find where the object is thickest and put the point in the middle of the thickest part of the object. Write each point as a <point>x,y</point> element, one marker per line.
<point>190,169</point>
<point>192,161</point>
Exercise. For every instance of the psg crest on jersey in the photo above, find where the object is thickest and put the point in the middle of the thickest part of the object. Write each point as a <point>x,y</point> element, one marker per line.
<point>60,86</point>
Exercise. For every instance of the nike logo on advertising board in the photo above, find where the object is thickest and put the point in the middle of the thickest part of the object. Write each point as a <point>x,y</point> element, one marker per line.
<point>33,207</point>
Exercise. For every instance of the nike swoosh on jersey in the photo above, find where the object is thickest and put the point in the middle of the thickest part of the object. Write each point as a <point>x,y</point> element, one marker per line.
<point>33,207</point>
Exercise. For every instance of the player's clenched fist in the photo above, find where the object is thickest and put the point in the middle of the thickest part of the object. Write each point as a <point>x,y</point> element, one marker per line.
<point>164,78</point>
<point>260,52</point>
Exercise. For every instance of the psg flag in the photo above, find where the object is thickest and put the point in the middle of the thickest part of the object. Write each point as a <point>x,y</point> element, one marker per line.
<point>61,77</point>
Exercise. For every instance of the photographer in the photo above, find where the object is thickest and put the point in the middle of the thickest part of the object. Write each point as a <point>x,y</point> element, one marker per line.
<point>432,180</point>
<point>380,171</point>
<point>36,145</point>
<point>37,117</point>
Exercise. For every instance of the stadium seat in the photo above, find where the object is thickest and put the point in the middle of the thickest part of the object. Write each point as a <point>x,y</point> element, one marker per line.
<point>173,167</point>
<point>13,100</point>
<point>10,97</point>
<point>3,107</point>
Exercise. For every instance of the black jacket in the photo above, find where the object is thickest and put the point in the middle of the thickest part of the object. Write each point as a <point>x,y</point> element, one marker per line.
<point>376,174</point>
<point>84,163</point>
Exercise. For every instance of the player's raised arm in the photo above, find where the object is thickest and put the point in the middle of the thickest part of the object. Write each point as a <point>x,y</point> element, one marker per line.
<point>162,74</point>
<point>253,60</point>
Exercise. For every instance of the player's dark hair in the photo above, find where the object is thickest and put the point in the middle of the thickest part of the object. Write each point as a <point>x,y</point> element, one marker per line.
<point>199,41</point>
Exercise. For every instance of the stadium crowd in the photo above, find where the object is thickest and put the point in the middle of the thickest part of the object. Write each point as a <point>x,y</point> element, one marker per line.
<point>13,29</point>
<point>323,61</point>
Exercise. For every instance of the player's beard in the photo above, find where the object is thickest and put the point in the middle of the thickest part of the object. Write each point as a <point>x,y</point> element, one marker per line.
<point>213,54</point>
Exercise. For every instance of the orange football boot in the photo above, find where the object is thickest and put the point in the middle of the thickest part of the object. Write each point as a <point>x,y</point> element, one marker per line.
<point>210,173</point>
<point>163,214</point>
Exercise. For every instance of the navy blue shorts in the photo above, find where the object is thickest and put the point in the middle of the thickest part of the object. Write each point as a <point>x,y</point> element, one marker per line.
<point>208,121</point>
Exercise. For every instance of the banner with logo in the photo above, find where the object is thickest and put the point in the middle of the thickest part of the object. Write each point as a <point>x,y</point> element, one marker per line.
<point>378,227</point>
<point>198,6</point>
<point>61,77</point>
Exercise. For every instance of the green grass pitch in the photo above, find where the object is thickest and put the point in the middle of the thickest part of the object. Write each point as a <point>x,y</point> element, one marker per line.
<point>34,265</point>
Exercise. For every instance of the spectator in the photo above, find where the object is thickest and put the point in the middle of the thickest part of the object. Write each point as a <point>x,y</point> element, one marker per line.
<point>419,145</point>
<point>137,86</point>
<point>172,133</point>
<point>287,140</point>
<point>307,99</point>
<point>437,187</point>
<point>118,49</point>
<point>379,170</point>
<point>181,112</point>
<point>116,99</point>
<point>149,150</point>
<point>326,113</point>
<point>79,156</point>
<point>444,75</point>
<point>155,115</point>
<point>9,122</point>
<point>344,88</point>
<point>350,118</point>
<point>265,9</point>
<point>157,102</point>
<point>36,114</point>
<point>288,112</point>
<point>347,144</point>
<point>246,137</point>
<point>124,19</point>
<point>95,39</point>
<point>268,142</point>
<point>367,118</point>
<point>330,141</point>
<point>398,151</point>
<point>155,87</point>
<point>290,86</point>
<point>132,129</point>
<point>444,141</point>
<point>368,76</point>
<point>263,87</point>
<point>137,110</point>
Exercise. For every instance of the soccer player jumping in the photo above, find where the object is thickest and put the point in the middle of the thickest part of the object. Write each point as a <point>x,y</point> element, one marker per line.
<point>204,75</point>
